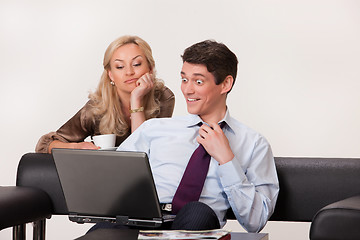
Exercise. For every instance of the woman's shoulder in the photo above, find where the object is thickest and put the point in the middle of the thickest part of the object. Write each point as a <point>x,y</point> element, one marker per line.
<point>88,113</point>
<point>87,109</point>
<point>166,98</point>
<point>164,93</point>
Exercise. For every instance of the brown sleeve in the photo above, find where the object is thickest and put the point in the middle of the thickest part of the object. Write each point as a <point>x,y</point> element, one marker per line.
<point>79,127</point>
<point>167,103</point>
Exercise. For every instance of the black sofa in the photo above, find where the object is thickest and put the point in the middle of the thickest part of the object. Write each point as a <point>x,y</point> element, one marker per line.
<point>324,191</point>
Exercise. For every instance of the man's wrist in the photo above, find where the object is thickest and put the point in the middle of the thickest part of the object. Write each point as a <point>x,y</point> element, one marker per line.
<point>227,159</point>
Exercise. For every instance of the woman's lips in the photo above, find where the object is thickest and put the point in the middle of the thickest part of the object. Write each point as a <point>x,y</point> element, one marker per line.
<point>131,80</point>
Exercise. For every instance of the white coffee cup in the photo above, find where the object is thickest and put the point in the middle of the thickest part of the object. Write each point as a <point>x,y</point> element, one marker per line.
<point>104,141</point>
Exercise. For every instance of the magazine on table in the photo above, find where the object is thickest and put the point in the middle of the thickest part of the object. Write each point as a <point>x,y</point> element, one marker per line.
<point>183,234</point>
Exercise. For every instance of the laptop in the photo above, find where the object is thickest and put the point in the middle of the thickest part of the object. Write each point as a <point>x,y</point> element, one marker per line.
<point>109,186</point>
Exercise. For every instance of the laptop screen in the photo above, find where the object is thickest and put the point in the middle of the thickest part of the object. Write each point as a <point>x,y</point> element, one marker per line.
<point>107,183</point>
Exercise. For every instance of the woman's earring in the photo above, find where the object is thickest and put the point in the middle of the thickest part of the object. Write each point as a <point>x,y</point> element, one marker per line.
<point>112,83</point>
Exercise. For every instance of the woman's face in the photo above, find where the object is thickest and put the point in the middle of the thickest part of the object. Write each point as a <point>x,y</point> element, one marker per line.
<point>127,65</point>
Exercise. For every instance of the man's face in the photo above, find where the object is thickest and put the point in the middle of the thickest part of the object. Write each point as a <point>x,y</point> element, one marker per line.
<point>203,97</point>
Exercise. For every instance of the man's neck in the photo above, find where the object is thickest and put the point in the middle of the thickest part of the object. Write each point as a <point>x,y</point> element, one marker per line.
<point>215,116</point>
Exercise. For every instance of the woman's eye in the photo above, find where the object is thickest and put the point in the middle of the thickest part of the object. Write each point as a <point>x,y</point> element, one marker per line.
<point>199,81</point>
<point>137,64</point>
<point>120,67</point>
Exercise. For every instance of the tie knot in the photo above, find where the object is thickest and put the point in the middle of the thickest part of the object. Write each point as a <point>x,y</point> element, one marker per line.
<point>221,124</point>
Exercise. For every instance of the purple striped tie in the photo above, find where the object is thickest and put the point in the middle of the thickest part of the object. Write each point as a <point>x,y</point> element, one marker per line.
<point>193,179</point>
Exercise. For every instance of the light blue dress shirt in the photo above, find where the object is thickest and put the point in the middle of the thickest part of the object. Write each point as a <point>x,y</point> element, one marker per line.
<point>248,184</point>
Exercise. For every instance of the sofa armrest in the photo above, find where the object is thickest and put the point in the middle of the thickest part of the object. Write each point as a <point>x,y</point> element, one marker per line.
<point>37,170</point>
<point>339,220</point>
<point>20,205</point>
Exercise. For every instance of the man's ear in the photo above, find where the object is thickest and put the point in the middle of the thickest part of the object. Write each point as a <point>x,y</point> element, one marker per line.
<point>227,84</point>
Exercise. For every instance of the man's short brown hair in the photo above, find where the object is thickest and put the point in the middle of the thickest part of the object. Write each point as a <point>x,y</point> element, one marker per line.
<point>217,57</point>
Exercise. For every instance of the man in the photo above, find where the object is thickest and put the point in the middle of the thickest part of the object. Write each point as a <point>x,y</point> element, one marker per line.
<point>242,173</point>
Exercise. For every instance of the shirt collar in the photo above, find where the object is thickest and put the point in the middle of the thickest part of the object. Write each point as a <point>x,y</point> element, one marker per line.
<point>194,120</point>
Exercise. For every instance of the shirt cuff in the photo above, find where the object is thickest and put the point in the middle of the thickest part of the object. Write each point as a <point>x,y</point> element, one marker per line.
<point>231,173</point>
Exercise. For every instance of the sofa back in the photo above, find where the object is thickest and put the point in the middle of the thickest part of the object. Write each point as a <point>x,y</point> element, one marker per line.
<point>309,184</point>
<point>306,184</point>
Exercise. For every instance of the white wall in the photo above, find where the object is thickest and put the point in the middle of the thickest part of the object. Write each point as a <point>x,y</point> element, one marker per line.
<point>298,81</point>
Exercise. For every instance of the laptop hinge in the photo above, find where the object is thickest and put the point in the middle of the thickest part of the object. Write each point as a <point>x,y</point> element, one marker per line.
<point>78,218</point>
<point>125,220</point>
<point>122,220</point>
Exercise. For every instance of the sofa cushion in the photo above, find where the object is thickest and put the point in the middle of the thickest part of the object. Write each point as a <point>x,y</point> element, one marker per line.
<point>340,220</point>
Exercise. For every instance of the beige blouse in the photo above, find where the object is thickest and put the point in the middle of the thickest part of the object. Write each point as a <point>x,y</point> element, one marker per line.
<point>84,124</point>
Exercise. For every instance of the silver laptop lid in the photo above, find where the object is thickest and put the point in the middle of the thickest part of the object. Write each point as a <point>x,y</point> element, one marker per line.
<point>107,184</point>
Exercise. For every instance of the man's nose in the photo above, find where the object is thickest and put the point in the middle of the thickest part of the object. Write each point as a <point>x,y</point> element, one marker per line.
<point>189,88</point>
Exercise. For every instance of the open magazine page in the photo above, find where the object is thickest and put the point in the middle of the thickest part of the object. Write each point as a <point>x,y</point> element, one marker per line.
<point>182,234</point>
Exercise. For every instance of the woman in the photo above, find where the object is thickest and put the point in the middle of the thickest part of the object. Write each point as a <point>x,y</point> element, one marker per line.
<point>127,95</point>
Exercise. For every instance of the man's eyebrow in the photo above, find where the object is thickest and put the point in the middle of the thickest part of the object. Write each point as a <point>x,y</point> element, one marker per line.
<point>120,60</point>
<point>194,74</point>
<point>199,74</point>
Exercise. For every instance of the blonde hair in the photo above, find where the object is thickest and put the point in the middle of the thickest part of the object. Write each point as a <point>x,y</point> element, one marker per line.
<point>105,102</point>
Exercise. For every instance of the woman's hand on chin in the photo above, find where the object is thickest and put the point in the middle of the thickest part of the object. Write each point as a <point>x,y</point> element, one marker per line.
<point>143,86</point>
